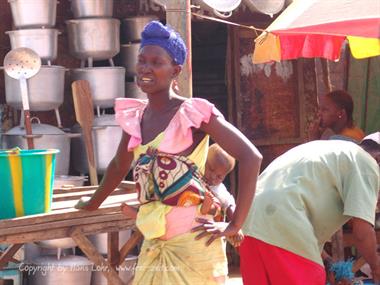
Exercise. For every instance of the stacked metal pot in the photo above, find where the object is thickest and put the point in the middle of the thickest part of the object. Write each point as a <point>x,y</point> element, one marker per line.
<point>95,36</point>
<point>131,29</point>
<point>106,137</point>
<point>34,22</point>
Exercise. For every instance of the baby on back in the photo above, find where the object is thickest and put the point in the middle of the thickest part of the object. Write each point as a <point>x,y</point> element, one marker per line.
<point>218,201</point>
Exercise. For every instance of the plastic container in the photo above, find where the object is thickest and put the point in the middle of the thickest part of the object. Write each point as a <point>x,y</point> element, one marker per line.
<point>26,181</point>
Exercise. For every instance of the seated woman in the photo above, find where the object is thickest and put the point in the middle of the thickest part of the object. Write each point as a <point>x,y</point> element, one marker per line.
<point>335,119</point>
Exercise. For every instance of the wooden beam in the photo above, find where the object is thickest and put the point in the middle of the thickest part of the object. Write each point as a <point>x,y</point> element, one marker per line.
<point>124,186</point>
<point>113,249</point>
<point>301,99</point>
<point>8,254</point>
<point>67,213</point>
<point>86,246</point>
<point>178,16</point>
<point>135,238</point>
<point>47,234</point>
<point>63,223</point>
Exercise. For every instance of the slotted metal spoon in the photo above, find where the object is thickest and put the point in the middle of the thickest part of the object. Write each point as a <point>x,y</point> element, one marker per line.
<point>21,64</point>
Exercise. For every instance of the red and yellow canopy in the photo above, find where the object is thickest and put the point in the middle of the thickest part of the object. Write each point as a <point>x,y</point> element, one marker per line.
<point>318,28</point>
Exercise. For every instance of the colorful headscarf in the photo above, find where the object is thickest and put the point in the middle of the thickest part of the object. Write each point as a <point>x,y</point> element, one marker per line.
<point>156,33</point>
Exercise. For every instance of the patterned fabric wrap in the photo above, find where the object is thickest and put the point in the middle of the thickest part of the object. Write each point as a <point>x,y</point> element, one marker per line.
<point>174,179</point>
<point>182,260</point>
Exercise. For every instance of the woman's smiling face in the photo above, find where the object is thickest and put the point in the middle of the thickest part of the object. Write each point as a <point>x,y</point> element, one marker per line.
<point>155,69</point>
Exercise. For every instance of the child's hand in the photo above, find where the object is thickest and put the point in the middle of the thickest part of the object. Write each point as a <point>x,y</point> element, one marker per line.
<point>207,203</point>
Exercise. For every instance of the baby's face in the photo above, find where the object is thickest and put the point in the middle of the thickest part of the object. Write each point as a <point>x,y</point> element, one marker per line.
<point>215,172</point>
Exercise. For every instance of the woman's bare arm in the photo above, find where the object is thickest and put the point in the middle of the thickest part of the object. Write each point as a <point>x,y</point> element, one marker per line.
<point>117,169</point>
<point>248,156</point>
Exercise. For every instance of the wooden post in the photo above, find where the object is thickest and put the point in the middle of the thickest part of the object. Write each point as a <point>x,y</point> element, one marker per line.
<point>86,246</point>
<point>113,249</point>
<point>135,238</point>
<point>8,254</point>
<point>178,16</point>
<point>326,75</point>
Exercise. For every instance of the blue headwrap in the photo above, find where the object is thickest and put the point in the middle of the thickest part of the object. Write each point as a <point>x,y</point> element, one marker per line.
<point>157,34</point>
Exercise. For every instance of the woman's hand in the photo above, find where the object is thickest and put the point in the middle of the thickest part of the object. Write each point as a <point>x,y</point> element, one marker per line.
<point>84,203</point>
<point>214,229</point>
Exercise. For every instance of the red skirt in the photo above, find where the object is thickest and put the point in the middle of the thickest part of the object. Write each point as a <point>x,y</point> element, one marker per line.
<point>265,264</point>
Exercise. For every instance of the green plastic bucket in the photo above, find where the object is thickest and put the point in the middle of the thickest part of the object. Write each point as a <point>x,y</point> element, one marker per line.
<point>26,181</point>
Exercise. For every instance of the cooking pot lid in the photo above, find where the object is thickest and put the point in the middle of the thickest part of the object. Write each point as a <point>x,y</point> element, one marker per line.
<point>37,129</point>
<point>68,260</point>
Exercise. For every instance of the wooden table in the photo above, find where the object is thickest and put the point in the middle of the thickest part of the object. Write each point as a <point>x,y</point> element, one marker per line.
<point>64,221</point>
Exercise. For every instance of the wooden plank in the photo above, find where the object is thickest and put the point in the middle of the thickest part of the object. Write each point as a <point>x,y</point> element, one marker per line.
<point>357,87</point>
<point>231,100</point>
<point>301,99</point>
<point>91,252</point>
<point>178,16</point>
<point>84,115</point>
<point>55,216</point>
<point>66,196</point>
<point>372,115</point>
<point>235,32</point>
<point>62,214</point>
<point>124,186</point>
<point>8,254</point>
<point>135,238</point>
<point>111,200</point>
<point>11,259</point>
<point>113,249</point>
<point>47,234</point>
<point>63,223</point>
